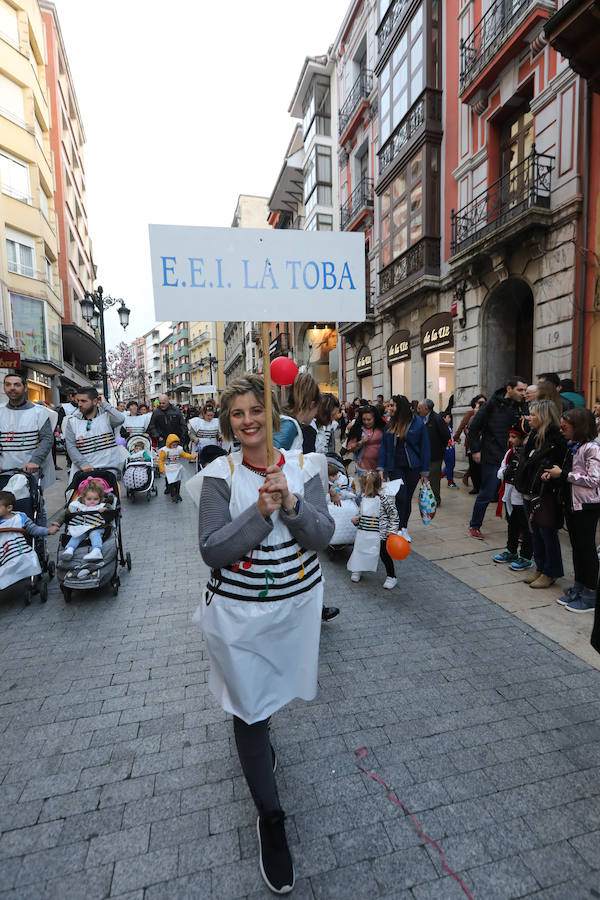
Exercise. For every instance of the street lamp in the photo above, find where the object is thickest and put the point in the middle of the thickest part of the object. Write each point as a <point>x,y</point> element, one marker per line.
<point>92,309</point>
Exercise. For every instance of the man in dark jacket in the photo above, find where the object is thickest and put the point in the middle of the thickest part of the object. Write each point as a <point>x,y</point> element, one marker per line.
<point>167,419</point>
<point>488,439</point>
<point>439,435</point>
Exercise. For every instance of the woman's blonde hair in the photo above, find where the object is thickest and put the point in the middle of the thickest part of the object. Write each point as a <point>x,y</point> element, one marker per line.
<point>370,483</point>
<point>303,393</point>
<point>245,384</point>
<point>547,415</point>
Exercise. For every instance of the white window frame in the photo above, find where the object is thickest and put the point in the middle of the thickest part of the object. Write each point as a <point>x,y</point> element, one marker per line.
<point>21,241</point>
<point>6,187</point>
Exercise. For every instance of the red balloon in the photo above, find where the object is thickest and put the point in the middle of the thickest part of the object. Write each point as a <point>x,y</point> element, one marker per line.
<point>397,546</point>
<point>283,371</point>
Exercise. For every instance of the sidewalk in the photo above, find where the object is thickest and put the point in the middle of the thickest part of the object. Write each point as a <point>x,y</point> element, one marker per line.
<point>446,541</point>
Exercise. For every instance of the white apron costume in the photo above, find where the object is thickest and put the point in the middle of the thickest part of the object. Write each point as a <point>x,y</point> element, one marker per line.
<point>172,464</point>
<point>86,518</point>
<point>365,555</point>
<point>262,616</point>
<point>20,436</point>
<point>97,444</point>
<point>207,432</point>
<point>18,559</point>
<point>136,424</point>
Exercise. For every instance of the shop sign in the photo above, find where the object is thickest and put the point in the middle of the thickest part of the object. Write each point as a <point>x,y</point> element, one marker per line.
<point>398,347</point>
<point>364,363</point>
<point>436,333</point>
<point>10,360</point>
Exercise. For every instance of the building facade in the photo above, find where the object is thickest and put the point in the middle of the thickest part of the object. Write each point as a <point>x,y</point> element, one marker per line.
<point>175,363</point>
<point>81,347</point>
<point>31,303</point>
<point>513,206</point>
<point>393,350</point>
<point>315,104</point>
<point>206,360</point>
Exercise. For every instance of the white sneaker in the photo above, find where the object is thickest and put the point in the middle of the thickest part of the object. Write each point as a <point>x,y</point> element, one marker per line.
<point>96,553</point>
<point>404,533</point>
<point>390,583</point>
<point>355,576</point>
<point>68,553</point>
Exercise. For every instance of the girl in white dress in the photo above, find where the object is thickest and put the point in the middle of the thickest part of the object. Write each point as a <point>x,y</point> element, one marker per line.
<point>378,518</point>
<point>260,529</point>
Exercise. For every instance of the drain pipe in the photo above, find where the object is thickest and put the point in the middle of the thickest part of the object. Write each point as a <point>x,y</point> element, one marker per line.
<point>584,229</point>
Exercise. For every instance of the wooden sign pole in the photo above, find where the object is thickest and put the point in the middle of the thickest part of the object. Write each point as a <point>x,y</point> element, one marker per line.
<point>268,396</point>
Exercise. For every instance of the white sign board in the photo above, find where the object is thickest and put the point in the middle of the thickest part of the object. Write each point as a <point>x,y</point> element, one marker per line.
<point>235,274</point>
<point>204,389</point>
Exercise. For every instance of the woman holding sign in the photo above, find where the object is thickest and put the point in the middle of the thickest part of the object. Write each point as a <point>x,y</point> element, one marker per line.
<point>260,528</point>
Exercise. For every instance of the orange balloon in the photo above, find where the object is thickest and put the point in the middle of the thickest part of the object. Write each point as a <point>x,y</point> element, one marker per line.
<point>397,546</point>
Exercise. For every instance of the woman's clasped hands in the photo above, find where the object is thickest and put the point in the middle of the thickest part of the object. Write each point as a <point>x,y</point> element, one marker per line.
<point>274,493</point>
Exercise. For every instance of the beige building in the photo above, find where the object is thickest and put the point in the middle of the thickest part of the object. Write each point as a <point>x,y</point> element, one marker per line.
<point>206,359</point>
<point>31,303</point>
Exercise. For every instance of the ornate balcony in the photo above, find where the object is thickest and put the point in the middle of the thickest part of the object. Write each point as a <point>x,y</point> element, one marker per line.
<point>423,258</point>
<point>426,113</point>
<point>359,93</point>
<point>360,200</point>
<point>395,12</point>
<point>280,346</point>
<point>527,186</point>
<point>492,37</point>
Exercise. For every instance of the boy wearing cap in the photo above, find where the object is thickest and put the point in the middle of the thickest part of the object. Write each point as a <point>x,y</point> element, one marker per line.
<point>518,526</point>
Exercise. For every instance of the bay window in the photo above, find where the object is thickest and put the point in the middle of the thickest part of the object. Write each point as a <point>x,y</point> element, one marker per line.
<point>317,178</point>
<point>20,250</point>
<point>402,211</point>
<point>14,175</point>
<point>403,78</point>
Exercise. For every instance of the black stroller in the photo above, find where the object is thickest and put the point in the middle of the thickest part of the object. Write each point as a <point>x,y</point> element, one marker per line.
<point>78,574</point>
<point>33,506</point>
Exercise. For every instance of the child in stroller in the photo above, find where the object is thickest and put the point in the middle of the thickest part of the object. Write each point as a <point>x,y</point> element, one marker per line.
<point>138,476</point>
<point>18,559</point>
<point>91,567</point>
<point>26,489</point>
<point>341,502</point>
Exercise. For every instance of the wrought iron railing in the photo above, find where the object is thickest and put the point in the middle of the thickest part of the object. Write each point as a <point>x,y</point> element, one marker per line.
<point>280,345</point>
<point>359,91</point>
<point>394,13</point>
<point>360,198</point>
<point>526,185</point>
<point>488,36</point>
<point>422,258</point>
<point>427,107</point>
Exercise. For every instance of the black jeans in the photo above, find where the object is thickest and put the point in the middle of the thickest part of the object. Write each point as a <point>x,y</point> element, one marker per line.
<point>174,488</point>
<point>254,750</point>
<point>581,525</point>
<point>475,472</point>
<point>518,530</point>
<point>387,560</point>
<point>410,477</point>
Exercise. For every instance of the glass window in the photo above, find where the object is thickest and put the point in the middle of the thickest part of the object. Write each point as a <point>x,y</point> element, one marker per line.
<point>14,174</point>
<point>54,336</point>
<point>44,203</point>
<point>405,225</point>
<point>402,80</point>
<point>48,267</point>
<point>317,178</point>
<point>21,256</point>
<point>29,327</point>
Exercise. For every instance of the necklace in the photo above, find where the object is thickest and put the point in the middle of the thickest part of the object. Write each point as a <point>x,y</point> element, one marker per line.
<point>259,470</point>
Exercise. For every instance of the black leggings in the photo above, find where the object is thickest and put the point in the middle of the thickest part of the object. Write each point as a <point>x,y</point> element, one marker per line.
<point>581,525</point>
<point>174,488</point>
<point>404,496</point>
<point>254,750</point>
<point>387,560</point>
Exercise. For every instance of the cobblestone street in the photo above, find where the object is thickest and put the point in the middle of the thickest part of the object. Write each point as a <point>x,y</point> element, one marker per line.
<point>119,776</point>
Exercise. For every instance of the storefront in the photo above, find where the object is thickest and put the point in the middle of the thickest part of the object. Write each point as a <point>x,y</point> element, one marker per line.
<point>320,355</point>
<point>398,360</point>
<point>364,373</point>
<point>437,348</point>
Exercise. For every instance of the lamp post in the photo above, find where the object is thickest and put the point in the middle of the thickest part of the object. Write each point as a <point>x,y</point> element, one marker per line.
<point>92,309</point>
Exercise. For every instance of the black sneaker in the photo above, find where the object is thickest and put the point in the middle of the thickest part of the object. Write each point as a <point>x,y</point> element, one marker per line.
<point>274,858</point>
<point>274,758</point>
<point>329,612</point>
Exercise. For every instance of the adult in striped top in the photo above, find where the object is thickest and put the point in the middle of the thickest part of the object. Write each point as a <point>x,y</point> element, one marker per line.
<point>90,434</point>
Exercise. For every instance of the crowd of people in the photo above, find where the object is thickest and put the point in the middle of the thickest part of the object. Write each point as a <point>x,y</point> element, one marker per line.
<point>532,450</point>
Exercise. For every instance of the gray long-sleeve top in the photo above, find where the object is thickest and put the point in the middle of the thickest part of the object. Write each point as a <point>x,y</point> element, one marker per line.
<point>115,418</point>
<point>224,541</point>
<point>45,438</point>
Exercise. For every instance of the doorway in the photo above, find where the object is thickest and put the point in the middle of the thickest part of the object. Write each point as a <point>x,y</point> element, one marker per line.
<point>507,334</point>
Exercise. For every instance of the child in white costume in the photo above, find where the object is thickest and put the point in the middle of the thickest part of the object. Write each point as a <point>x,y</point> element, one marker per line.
<point>169,463</point>
<point>18,559</point>
<point>378,518</point>
<point>84,519</point>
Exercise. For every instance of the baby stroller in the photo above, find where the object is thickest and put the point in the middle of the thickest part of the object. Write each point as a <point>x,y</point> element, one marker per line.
<point>345,530</point>
<point>77,574</point>
<point>17,547</point>
<point>138,477</point>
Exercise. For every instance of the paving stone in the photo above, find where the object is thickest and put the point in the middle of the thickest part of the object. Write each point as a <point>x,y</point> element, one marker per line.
<point>120,844</point>
<point>143,871</point>
<point>556,863</point>
<point>26,840</point>
<point>209,852</point>
<point>357,880</point>
<point>506,878</point>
